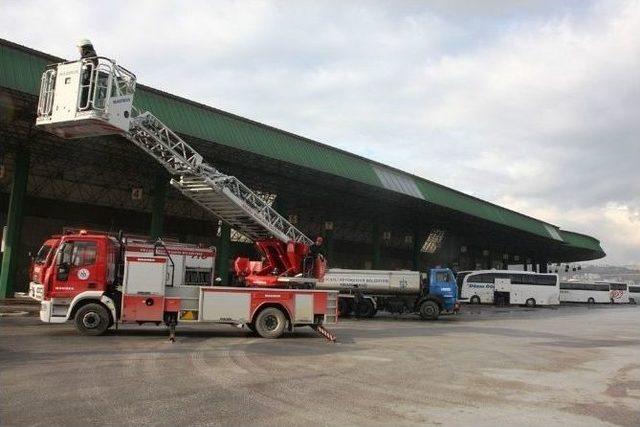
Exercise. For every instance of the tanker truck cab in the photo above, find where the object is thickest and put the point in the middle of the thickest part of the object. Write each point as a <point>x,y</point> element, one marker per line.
<point>439,294</point>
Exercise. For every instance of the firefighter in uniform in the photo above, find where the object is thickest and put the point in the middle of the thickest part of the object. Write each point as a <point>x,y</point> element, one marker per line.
<point>87,51</point>
<point>315,250</point>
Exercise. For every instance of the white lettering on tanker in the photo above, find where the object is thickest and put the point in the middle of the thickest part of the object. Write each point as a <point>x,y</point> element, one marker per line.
<point>83,274</point>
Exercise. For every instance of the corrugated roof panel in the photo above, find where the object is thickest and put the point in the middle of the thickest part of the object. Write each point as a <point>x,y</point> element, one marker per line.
<point>553,232</point>
<point>395,181</point>
<point>461,202</point>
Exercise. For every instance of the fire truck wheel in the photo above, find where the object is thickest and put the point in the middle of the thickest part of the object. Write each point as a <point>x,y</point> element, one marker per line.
<point>92,319</point>
<point>270,323</point>
<point>429,310</point>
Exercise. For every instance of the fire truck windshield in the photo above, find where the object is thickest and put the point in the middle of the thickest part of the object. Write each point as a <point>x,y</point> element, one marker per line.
<point>43,253</point>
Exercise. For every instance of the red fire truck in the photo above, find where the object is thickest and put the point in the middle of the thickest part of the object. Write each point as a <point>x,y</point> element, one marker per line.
<point>93,97</point>
<point>97,280</point>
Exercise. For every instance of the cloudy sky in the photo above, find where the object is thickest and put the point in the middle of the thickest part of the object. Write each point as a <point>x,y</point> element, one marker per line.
<point>534,105</point>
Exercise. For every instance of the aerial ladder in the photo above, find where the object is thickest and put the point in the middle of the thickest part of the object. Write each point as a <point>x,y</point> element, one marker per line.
<point>93,97</point>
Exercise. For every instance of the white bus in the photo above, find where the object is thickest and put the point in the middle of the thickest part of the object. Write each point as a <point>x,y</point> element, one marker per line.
<point>514,287</point>
<point>634,294</point>
<point>618,292</point>
<point>591,293</point>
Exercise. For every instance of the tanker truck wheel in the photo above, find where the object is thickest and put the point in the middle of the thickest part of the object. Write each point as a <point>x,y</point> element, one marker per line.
<point>429,310</point>
<point>365,308</point>
<point>92,319</point>
<point>270,323</point>
<point>344,307</point>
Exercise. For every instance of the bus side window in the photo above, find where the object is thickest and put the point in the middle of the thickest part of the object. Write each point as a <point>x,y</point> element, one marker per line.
<point>516,279</point>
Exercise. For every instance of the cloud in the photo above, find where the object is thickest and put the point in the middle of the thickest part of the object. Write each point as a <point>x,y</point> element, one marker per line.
<point>533,106</point>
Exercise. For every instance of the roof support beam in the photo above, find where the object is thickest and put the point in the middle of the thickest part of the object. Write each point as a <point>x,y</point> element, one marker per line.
<point>14,221</point>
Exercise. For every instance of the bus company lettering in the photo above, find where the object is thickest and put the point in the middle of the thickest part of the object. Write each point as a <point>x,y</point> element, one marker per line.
<point>482,285</point>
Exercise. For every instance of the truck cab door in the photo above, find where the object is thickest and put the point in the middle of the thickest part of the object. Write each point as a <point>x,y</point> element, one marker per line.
<point>75,269</point>
<point>442,283</point>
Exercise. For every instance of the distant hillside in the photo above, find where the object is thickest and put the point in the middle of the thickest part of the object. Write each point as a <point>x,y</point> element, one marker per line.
<point>603,272</point>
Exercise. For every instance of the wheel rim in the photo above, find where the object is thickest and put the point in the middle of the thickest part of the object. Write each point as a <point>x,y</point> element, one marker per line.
<point>429,310</point>
<point>530,303</point>
<point>270,322</point>
<point>91,320</point>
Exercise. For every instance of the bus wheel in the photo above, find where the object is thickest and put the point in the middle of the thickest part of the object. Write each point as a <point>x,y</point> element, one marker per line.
<point>92,319</point>
<point>530,302</point>
<point>270,323</point>
<point>365,308</point>
<point>591,300</point>
<point>429,310</point>
<point>475,299</point>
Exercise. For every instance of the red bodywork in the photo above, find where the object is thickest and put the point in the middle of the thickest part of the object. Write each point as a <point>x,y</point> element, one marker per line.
<point>93,269</point>
<point>147,308</point>
<point>279,260</point>
<point>284,297</point>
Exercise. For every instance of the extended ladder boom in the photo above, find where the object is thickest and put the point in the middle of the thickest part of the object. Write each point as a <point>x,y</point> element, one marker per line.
<point>94,96</point>
<point>223,195</point>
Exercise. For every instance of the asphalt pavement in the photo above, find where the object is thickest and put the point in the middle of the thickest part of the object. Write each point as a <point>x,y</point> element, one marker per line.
<point>488,366</point>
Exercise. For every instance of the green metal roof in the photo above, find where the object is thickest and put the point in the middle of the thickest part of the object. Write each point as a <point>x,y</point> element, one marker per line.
<point>581,241</point>
<point>21,68</point>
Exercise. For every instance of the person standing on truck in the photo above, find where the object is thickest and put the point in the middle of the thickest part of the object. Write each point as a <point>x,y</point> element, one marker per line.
<point>87,51</point>
<point>315,250</point>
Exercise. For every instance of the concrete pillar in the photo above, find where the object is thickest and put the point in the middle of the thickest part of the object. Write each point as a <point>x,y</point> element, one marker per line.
<point>2,222</point>
<point>14,221</point>
<point>485,260</point>
<point>376,246</point>
<point>417,245</point>
<point>543,266</point>
<point>159,196</point>
<point>524,264</point>
<point>327,234</point>
<point>223,255</point>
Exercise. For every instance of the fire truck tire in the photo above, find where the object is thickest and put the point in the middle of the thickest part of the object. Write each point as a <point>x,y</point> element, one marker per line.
<point>92,319</point>
<point>270,323</point>
<point>429,310</point>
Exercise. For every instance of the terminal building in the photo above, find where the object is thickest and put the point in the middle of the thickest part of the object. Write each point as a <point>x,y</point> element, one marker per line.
<point>372,216</point>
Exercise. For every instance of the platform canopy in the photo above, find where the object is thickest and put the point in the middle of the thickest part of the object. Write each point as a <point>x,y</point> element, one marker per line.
<point>359,201</point>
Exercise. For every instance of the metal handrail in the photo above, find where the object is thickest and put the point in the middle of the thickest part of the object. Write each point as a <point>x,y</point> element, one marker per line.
<point>89,69</point>
<point>47,86</point>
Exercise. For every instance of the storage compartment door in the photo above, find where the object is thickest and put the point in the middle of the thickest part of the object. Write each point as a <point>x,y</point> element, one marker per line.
<point>304,308</point>
<point>145,275</point>
<point>225,307</point>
